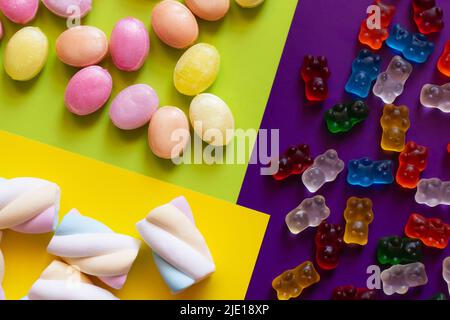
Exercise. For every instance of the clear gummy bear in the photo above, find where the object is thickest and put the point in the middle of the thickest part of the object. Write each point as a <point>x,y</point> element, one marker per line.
<point>310,213</point>
<point>399,278</point>
<point>433,192</point>
<point>434,96</point>
<point>446,271</point>
<point>325,169</point>
<point>390,84</point>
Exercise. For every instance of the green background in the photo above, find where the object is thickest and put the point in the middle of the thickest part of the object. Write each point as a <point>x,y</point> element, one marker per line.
<point>250,42</point>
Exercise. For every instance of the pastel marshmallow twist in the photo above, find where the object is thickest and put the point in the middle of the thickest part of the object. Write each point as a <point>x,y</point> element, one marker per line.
<point>2,272</point>
<point>60,281</point>
<point>179,249</point>
<point>94,248</point>
<point>29,205</point>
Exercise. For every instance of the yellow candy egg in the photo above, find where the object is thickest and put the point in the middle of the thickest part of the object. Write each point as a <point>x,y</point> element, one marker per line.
<point>212,119</point>
<point>26,53</point>
<point>249,3</point>
<point>197,69</point>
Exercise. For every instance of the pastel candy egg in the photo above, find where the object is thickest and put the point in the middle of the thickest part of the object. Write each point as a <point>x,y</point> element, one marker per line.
<point>88,90</point>
<point>168,133</point>
<point>134,106</point>
<point>82,46</point>
<point>211,10</point>
<point>68,8</point>
<point>197,69</point>
<point>249,3</point>
<point>26,53</point>
<point>174,24</point>
<point>19,11</point>
<point>212,119</point>
<point>129,44</point>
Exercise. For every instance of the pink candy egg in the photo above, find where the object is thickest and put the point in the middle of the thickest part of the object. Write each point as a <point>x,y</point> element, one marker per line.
<point>168,133</point>
<point>65,8</point>
<point>129,44</point>
<point>174,24</point>
<point>88,90</point>
<point>211,10</point>
<point>134,107</point>
<point>82,46</point>
<point>19,11</point>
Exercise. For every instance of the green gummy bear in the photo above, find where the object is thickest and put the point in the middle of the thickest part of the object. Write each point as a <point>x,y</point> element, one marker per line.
<point>396,250</point>
<point>344,116</point>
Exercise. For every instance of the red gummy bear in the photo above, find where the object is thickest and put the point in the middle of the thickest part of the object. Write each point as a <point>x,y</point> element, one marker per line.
<point>444,60</point>
<point>433,232</point>
<point>374,38</point>
<point>294,161</point>
<point>448,148</point>
<point>315,73</point>
<point>329,242</point>
<point>427,16</point>
<point>413,160</point>
<point>353,293</point>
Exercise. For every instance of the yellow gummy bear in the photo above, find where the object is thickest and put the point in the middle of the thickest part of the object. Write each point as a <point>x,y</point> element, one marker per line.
<point>291,283</point>
<point>395,123</point>
<point>26,53</point>
<point>197,69</point>
<point>358,216</point>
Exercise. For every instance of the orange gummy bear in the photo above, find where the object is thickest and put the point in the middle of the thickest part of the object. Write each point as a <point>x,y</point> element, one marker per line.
<point>395,123</point>
<point>444,60</point>
<point>358,216</point>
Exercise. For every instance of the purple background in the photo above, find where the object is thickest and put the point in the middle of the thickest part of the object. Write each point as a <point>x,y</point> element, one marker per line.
<point>330,27</point>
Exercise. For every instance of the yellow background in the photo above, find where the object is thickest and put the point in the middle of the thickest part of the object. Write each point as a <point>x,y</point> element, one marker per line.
<point>120,198</point>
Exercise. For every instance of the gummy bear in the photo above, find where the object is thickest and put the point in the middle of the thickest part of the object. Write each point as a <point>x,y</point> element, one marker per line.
<point>315,73</point>
<point>365,172</point>
<point>310,213</point>
<point>448,148</point>
<point>293,162</point>
<point>325,168</point>
<point>444,60</point>
<point>439,297</point>
<point>434,96</point>
<point>401,277</point>
<point>433,232</point>
<point>344,116</point>
<point>397,250</point>
<point>446,272</point>
<point>433,192</point>
<point>365,69</point>
<point>353,293</point>
<point>358,216</point>
<point>395,124</point>
<point>427,16</point>
<point>390,84</point>
<point>329,242</point>
<point>413,160</point>
<point>291,283</point>
<point>414,47</point>
<point>375,37</point>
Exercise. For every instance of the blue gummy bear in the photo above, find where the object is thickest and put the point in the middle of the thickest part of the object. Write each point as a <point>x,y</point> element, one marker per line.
<point>366,172</point>
<point>413,46</point>
<point>365,69</point>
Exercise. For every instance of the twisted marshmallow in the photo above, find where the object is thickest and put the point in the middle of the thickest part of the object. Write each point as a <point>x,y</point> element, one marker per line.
<point>94,248</point>
<point>179,250</point>
<point>60,281</point>
<point>29,205</point>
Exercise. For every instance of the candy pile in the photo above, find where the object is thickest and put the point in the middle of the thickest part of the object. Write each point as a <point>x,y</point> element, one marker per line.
<point>404,254</point>
<point>90,248</point>
<point>90,88</point>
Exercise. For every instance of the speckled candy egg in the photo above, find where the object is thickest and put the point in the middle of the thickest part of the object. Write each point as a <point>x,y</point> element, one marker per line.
<point>134,107</point>
<point>129,44</point>
<point>26,54</point>
<point>197,69</point>
<point>82,46</point>
<point>168,133</point>
<point>211,10</point>
<point>88,90</point>
<point>212,119</point>
<point>174,24</point>
<point>249,3</point>
<point>62,8</point>
<point>19,11</point>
